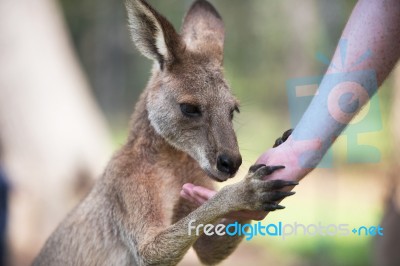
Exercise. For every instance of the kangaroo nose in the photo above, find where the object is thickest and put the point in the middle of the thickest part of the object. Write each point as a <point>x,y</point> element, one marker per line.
<point>227,164</point>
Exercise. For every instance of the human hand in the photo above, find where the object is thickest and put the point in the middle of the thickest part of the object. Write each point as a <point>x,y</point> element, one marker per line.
<point>287,154</point>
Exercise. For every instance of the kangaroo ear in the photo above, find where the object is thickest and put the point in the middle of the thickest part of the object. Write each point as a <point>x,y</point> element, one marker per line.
<point>203,30</point>
<point>152,33</point>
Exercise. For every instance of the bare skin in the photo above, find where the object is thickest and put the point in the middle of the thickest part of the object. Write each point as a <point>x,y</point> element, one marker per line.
<point>373,26</point>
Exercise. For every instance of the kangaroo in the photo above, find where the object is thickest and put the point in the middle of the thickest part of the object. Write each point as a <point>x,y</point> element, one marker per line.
<point>181,131</point>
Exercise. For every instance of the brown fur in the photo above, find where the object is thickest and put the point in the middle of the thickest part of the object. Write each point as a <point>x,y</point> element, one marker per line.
<point>134,215</point>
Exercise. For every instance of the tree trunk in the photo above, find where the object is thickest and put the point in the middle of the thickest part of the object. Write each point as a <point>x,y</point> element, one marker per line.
<point>53,137</point>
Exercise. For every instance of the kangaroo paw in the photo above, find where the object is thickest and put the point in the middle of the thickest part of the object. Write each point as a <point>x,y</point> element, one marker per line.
<point>264,194</point>
<point>272,194</point>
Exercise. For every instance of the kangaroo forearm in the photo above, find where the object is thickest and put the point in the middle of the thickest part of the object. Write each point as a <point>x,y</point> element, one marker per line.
<point>169,246</point>
<point>213,249</point>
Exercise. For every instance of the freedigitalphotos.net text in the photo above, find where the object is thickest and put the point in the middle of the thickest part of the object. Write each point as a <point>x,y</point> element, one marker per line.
<point>282,230</point>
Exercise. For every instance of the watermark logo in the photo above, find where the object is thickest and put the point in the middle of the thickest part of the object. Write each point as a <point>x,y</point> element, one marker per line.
<point>343,93</point>
<point>282,230</point>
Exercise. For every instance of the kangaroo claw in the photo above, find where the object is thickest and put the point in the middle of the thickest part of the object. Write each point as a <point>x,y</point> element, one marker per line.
<point>282,139</point>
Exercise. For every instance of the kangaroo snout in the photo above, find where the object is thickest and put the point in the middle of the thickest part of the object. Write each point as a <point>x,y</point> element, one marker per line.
<point>228,164</point>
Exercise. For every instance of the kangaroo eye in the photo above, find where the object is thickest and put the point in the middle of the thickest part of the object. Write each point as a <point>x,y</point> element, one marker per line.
<point>190,110</point>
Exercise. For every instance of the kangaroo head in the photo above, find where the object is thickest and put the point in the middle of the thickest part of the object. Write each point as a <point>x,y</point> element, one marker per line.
<point>188,100</point>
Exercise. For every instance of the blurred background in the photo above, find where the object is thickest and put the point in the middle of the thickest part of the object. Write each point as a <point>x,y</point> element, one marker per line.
<point>69,79</point>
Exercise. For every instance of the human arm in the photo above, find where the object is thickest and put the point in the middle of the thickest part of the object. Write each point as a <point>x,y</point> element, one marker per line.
<point>366,54</point>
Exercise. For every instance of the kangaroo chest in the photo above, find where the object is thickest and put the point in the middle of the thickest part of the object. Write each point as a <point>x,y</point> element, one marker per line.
<point>170,189</point>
